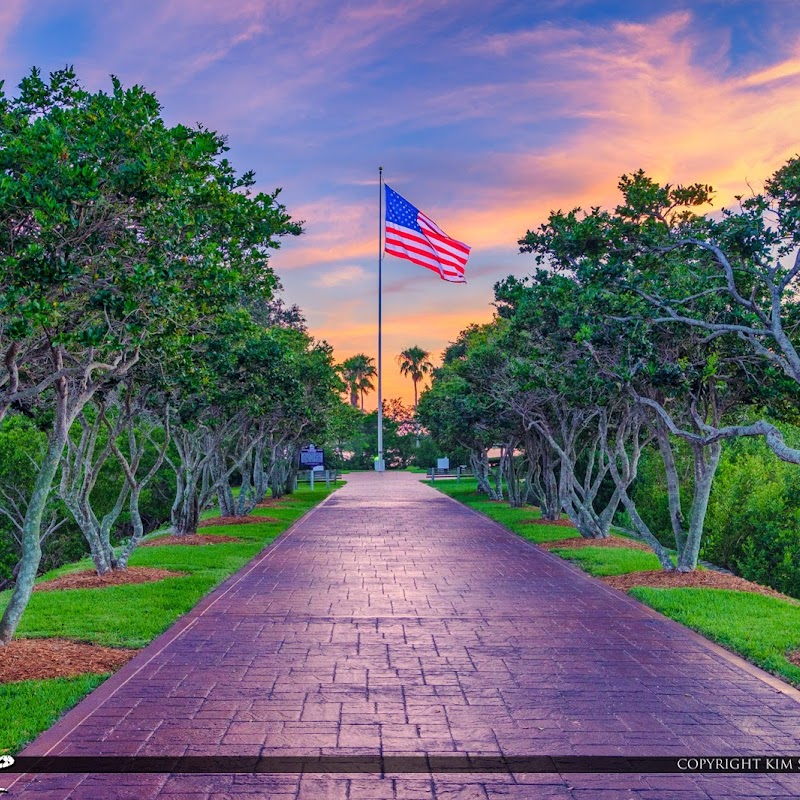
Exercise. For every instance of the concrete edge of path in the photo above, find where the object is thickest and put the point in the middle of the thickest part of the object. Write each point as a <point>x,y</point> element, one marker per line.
<point>771,680</point>
<point>56,733</point>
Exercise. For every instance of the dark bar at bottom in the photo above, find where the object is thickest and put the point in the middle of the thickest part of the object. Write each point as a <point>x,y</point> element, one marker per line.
<point>378,764</point>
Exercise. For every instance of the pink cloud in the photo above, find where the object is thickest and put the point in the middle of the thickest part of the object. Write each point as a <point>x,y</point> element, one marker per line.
<point>11,14</point>
<point>642,100</point>
<point>337,276</point>
<point>334,232</point>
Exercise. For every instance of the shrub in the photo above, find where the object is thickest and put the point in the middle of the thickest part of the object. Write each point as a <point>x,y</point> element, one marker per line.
<point>753,524</point>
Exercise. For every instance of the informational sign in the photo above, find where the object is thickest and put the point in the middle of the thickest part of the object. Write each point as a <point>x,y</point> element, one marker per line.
<point>311,456</point>
<point>443,463</point>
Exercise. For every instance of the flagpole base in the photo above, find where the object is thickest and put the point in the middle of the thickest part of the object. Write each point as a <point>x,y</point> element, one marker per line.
<point>380,465</point>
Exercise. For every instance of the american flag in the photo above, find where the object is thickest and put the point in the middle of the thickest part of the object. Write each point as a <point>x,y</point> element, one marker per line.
<point>412,235</point>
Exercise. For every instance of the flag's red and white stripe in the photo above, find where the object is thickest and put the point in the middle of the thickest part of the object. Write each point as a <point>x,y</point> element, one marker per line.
<point>434,249</point>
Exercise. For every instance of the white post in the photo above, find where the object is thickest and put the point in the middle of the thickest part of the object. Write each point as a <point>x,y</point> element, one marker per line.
<point>379,464</point>
<point>312,479</point>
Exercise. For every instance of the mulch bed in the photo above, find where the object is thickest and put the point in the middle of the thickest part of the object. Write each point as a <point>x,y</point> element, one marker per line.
<point>794,657</point>
<point>564,522</point>
<point>89,579</point>
<point>193,539</point>
<point>39,659</point>
<point>577,542</point>
<point>274,501</point>
<point>247,520</point>
<point>699,579</point>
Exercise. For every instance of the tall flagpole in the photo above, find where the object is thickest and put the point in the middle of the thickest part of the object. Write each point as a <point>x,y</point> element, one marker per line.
<point>380,464</point>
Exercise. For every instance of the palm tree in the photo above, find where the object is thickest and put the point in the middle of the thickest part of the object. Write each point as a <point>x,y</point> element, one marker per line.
<point>358,372</point>
<point>414,363</point>
<point>347,369</point>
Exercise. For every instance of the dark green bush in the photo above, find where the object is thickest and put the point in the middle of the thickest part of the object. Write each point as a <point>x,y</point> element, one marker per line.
<point>753,521</point>
<point>753,524</point>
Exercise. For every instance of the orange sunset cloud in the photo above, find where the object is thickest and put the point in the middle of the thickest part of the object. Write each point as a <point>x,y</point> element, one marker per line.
<point>637,96</point>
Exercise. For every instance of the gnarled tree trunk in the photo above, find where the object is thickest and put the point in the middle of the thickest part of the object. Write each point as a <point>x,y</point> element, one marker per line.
<point>31,544</point>
<point>479,462</point>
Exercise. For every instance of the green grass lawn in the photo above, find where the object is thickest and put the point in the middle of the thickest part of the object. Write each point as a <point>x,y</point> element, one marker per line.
<point>761,629</point>
<point>758,628</point>
<point>130,615</point>
<point>602,561</point>
<point>29,707</point>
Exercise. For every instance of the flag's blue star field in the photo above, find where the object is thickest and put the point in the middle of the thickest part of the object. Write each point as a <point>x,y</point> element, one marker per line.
<point>400,211</point>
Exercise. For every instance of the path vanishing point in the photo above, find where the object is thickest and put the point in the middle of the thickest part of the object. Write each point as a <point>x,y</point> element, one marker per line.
<point>393,621</point>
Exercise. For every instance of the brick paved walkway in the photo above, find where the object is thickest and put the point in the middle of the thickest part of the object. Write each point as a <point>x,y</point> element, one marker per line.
<point>394,620</point>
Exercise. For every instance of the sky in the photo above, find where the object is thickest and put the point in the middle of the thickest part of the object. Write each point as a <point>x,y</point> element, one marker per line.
<point>486,116</point>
